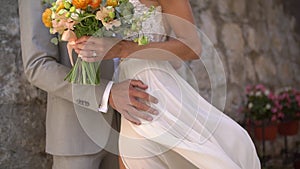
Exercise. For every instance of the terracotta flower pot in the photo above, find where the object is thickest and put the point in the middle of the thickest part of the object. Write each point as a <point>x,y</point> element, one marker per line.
<point>268,132</point>
<point>288,128</point>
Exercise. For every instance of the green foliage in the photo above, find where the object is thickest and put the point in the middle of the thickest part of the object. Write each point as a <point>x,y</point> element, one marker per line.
<point>85,73</point>
<point>54,41</point>
<point>87,26</point>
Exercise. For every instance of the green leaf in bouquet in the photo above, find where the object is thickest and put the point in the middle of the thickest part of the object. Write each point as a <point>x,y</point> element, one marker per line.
<point>99,33</point>
<point>67,5</point>
<point>75,77</point>
<point>126,13</point>
<point>86,73</point>
<point>73,9</point>
<point>62,11</point>
<point>93,73</point>
<point>121,7</point>
<point>92,70</point>
<point>71,76</point>
<point>54,41</point>
<point>108,34</point>
<point>87,26</point>
<point>143,40</point>
<point>123,1</point>
<point>83,67</point>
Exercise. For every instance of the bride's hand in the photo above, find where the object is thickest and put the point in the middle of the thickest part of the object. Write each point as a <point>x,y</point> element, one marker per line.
<point>92,49</point>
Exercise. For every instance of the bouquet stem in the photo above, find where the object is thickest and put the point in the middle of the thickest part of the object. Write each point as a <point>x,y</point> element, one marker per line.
<point>86,73</point>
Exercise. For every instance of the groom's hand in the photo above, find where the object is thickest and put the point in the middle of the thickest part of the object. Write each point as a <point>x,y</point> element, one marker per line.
<point>129,98</point>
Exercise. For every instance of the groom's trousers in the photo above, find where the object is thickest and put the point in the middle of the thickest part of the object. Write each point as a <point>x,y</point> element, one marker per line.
<point>102,160</point>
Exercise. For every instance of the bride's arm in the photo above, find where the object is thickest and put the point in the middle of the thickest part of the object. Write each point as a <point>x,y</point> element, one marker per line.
<point>186,45</point>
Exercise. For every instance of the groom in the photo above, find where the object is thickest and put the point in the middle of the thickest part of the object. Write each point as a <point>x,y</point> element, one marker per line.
<point>45,66</point>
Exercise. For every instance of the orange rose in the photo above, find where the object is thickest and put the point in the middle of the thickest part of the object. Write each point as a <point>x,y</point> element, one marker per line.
<point>46,18</point>
<point>81,4</point>
<point>113,3</point>
<point>95,3</point>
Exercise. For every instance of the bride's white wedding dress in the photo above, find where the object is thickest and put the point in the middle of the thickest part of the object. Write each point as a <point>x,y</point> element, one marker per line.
<point>187,124</point>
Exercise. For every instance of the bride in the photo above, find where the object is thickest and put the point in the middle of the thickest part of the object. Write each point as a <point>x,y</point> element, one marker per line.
<point>186,123</point>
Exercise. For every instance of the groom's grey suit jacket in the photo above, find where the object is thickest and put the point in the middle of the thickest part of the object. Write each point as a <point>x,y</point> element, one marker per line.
<point>45,66</point>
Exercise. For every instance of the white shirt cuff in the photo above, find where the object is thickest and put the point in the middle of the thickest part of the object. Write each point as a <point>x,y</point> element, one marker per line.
<point>104,103</point>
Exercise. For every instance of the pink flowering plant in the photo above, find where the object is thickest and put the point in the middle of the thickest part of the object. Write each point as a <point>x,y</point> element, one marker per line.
<point>287,104</point>
<point>259,105</point>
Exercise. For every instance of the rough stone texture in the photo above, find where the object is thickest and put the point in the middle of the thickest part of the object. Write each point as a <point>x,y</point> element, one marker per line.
<point>22,106</point>
<point>256,42</point>
<point>250,36</point>
<point>22,136</point>
<point>265,69</point>
<point>208,26</point>
<point>233,41</point>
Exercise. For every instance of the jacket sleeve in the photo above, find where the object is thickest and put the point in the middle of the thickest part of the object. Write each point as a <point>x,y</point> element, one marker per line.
<point>40,60</point>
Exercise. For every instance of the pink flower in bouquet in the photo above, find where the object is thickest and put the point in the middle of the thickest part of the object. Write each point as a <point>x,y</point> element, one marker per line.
<point>106,15</point>
<point>61,23</point>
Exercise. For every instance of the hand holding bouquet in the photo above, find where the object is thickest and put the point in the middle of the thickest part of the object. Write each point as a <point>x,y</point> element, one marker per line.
<point>73,19</point>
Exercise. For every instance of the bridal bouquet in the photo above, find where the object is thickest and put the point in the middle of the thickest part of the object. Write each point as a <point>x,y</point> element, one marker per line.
<point>72,19</point>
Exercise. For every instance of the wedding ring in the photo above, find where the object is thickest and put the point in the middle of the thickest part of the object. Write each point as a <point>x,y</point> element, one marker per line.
<point>94,54</point>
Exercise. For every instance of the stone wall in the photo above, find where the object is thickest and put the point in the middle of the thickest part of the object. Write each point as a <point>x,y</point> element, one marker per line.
<point>256,41</point>
<point>22,106</point>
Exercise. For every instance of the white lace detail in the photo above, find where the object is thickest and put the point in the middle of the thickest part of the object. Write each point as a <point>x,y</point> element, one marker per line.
<point>152,27</point>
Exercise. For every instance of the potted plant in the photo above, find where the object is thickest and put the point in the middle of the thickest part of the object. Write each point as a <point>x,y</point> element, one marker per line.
<point>288,105</point>
<point>260,112</point>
